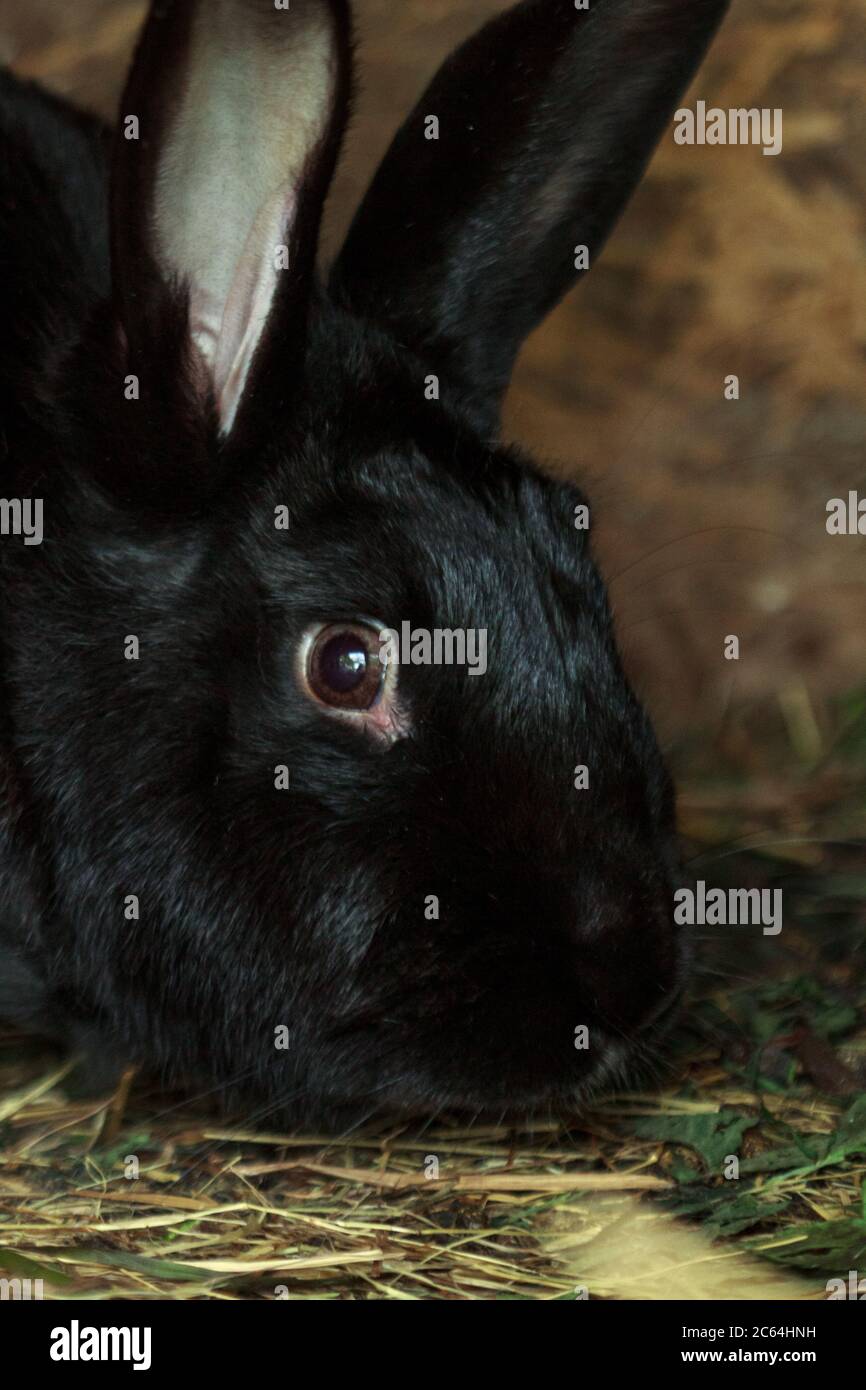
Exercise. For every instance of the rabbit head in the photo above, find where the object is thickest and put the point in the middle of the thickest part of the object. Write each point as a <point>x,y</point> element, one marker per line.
<point>295,841</point>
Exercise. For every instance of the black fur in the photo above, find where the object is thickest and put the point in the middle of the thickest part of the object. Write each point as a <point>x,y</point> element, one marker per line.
<point>548,117</point>
<point>155,777</point>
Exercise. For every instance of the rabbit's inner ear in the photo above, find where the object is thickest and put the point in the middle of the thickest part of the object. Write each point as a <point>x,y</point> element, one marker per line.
<point>255,104</point>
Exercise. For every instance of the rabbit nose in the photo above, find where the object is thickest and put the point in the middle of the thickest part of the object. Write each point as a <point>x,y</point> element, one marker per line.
<point>626,953</point>
<point>606,933</point>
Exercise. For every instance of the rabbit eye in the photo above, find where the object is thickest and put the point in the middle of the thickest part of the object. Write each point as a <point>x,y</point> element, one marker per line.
<point>343,666</point>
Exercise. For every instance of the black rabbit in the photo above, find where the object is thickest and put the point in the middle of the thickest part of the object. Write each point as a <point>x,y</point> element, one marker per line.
<point>238,844</point>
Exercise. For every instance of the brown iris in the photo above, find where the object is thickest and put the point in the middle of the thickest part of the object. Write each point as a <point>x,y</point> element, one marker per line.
<point>343,666</point>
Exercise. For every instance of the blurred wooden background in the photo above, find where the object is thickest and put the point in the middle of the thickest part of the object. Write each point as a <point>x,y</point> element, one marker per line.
<point>711,514</point>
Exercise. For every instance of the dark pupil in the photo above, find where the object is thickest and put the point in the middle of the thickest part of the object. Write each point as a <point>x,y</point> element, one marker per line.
<point>343,662</point>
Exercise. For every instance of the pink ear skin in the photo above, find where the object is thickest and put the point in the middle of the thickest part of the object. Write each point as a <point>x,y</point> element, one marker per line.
<point>241,108</point>
<point>230,346</point>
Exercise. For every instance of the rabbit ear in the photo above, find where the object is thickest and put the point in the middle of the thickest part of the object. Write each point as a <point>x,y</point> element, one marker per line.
<point>526,145</point>
<point>228,136</point>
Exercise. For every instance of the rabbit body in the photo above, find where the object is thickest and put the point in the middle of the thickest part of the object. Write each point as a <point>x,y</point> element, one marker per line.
<point>234,849</point>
